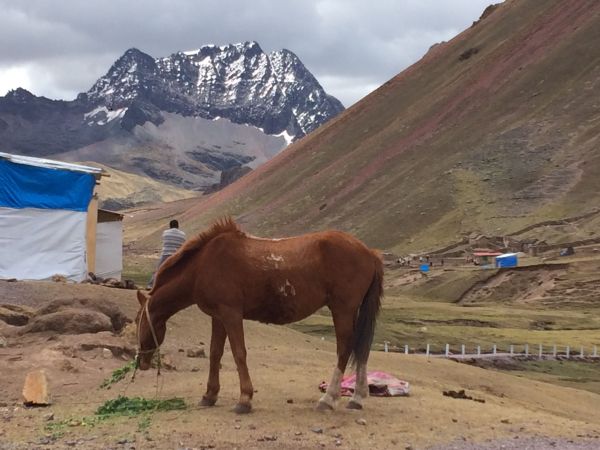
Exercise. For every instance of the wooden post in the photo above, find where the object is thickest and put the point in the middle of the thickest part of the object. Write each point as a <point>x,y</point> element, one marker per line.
<point>568,351</point>
<point>385,346</point>
<point>479,350</point>
<point>554,350</point>
<point>447,350</point>
<point>512,349</point>
<point>581,352</point>
<point>427,351</point>
<point>526,349</point>
<point>494,348</point>
<point>462,350</point>
<point>541,352</point>
<point>595,354</point>
<point>406,349</point>
<point>90,233</point>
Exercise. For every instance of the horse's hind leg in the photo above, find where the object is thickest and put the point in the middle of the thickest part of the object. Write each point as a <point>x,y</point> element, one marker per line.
<point>361,390</point>
<point>343,332</point>
<point>235,331</point>
<point>217,344</point>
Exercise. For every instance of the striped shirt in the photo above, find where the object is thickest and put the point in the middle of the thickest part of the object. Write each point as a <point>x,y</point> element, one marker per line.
<point>173,238</point>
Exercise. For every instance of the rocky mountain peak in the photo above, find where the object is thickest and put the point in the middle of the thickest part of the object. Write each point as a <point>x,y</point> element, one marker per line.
<point>240,82</point>
<point>19,95</point>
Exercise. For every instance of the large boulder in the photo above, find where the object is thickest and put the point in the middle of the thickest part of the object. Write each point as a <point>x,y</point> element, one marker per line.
<point>106,307</point>
<point>69,321</point>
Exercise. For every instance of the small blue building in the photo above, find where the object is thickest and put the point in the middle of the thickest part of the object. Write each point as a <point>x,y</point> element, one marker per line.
<point>507,260</point>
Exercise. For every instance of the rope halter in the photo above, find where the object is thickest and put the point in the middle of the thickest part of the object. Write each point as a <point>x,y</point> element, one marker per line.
<point>139,351</point>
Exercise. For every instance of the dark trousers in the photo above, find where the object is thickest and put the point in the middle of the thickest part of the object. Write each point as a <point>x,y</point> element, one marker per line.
<point>162,260</point>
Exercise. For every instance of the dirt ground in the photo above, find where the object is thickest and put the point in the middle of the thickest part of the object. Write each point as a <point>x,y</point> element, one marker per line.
<point>286,368</point>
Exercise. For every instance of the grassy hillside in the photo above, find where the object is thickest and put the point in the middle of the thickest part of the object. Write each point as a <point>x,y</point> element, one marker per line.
<point>491,131</point>
<point>123,189</point>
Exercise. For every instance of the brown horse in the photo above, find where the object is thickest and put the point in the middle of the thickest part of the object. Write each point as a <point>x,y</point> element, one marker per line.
<point>232,276</point>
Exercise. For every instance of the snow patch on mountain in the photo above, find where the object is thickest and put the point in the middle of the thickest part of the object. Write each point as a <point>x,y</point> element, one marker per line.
<point>101,115</point>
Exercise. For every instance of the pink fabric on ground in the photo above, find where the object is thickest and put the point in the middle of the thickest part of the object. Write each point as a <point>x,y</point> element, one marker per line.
<point>381,384</point>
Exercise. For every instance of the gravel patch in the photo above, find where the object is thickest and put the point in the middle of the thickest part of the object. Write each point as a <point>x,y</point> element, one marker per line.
<point>528,443</point>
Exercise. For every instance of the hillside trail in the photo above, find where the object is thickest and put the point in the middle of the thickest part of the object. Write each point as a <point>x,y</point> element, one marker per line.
<point>286,368</point>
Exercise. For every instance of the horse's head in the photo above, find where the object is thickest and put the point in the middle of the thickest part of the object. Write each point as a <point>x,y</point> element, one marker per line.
<point>149,336</point>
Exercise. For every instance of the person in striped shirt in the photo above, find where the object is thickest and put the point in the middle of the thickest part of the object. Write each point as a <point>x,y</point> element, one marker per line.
<point>172,239</point>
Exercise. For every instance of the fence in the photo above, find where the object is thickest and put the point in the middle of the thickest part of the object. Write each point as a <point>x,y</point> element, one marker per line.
<point>523,350</point>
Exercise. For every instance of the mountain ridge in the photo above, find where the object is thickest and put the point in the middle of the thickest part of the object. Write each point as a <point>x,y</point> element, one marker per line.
<point>251,103</point>
<point>489,132</point>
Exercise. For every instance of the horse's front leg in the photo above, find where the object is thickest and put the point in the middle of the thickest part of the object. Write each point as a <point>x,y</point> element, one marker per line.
<point>235,331</point>
<point>217,344</point>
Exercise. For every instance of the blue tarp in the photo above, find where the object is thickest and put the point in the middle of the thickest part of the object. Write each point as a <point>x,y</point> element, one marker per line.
<point>24,186</point>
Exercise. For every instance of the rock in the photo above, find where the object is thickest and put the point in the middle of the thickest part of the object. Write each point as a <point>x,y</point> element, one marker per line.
<point>106,353</point>
<point>317,430</point>
<point>106,307</point>
<point>35,390</point>
<point>290,400</point>
<point>69,321</point>
<point>197,352</point>
<point>361,421</point>
<point>195,369</point>
<point>16,315</point>
<point>48,417</point>
<point>338,442</point>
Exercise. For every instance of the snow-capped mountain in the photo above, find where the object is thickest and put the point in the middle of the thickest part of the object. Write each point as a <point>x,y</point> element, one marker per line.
<point>183,119</point>
<point>273,92</point>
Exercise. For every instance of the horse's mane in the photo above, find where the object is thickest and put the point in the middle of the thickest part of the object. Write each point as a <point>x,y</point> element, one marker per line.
<point>224,225</point>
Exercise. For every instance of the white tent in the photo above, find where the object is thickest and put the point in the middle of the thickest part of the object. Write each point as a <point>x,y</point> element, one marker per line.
<point>109,245</point>
<point>48,220</point>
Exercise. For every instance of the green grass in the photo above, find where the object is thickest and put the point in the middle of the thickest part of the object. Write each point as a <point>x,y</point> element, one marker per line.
<point>118,375</point>
<point>126,406</point>
<point>118,407</point>
<point>417,323</point>
<point>575,374</point>
<point>138,269</point>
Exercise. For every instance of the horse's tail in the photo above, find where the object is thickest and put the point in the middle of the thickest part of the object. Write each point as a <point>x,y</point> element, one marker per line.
<point>364,328</point>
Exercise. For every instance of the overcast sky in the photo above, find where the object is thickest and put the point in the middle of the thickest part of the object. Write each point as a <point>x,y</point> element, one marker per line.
<point>58,48</point>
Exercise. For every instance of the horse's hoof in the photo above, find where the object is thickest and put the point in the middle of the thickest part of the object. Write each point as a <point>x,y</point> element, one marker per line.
<point>354,405</point>
<point>207,401</point>
<point>243,408</point>
<point>324,406</point>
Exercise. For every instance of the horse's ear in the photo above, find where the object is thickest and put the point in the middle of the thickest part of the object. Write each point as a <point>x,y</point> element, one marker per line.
<point>141,298</point>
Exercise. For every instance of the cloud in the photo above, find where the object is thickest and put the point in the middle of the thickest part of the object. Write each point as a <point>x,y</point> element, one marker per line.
<point>58,49</point>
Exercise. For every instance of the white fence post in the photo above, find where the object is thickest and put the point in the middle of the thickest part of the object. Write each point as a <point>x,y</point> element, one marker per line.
<point>541,351</point>
<point>568,351</point>
<point>479,350</point>
<point>462,350</point>
<point>512,349</point>
<point>406,349</point>
<point>427,351</point>
<point>494,348</point>
<point>581,352</point>
<point>595,351</point>
<point>447,350</point>
<point>385,346</point>
<point>526,349</point>
<point>554,350</point>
